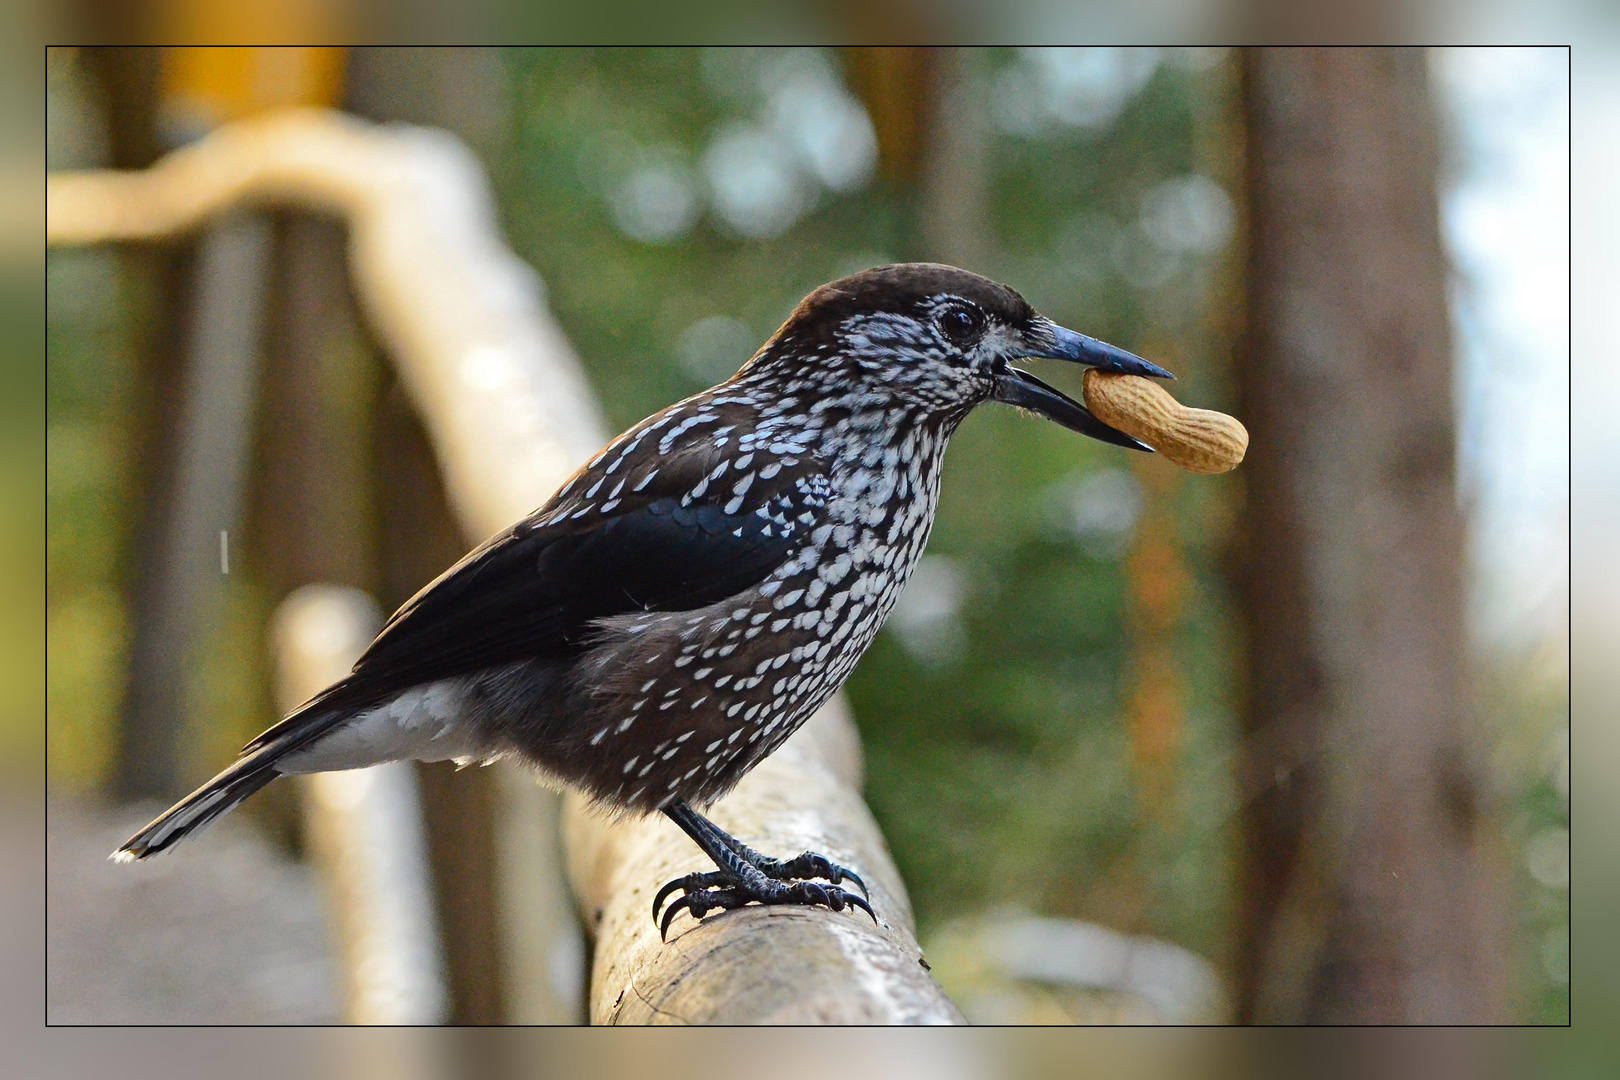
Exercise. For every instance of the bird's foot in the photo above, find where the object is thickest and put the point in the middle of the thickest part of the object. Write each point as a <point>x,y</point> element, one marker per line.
<point>747,877</point>
<point>723,890</point>
<point>807,865</point>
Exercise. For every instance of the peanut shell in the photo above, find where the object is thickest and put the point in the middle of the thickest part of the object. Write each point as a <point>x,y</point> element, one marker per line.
<point>1198,440</point>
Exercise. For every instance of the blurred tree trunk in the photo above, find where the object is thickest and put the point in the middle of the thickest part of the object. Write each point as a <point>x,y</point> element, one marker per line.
<point>1369,897</point>
<point>954,189</point>
<point>928,112</point>
<point>898,86</point>
<point>128,83</point>
<point>900,89</point>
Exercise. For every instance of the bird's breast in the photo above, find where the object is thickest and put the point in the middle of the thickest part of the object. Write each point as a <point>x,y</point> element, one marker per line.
<point>684,703</point>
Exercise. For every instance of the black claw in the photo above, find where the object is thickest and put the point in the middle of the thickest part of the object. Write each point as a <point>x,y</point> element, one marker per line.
<point>669,916</point>
<point>830,896</point>
<point>860,902</point>
<point>702,897</point>
<point>658,901</point>
<point>691,883</point>
<point>700,903</point>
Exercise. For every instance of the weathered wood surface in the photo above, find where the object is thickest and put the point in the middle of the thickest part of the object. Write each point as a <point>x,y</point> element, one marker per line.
<point>755,965</point>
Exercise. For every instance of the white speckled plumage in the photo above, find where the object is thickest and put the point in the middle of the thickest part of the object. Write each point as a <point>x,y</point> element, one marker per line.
<point>706,581</point>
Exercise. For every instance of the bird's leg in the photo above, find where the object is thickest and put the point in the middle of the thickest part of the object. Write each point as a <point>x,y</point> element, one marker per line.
<point>808,864</point>
<point>741,879</point>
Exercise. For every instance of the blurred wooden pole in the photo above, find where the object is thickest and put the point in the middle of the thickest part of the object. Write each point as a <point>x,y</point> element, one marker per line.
<point>1368,896</point>
<point>315,516</point>
<point>364,827</point>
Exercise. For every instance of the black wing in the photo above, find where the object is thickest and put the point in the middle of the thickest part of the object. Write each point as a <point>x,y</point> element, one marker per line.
<point>537,589</point>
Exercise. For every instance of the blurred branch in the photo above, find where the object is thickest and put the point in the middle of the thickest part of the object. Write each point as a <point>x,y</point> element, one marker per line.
<point>755,965</point>
<point>459,313</point>
<point>954,216</point>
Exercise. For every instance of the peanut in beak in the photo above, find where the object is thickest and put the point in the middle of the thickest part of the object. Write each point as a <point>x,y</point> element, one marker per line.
<point>1198,440</point>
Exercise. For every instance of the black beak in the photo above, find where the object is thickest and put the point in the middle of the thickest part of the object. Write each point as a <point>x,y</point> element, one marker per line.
<point>1020,388</point>
<point>1054,342</point>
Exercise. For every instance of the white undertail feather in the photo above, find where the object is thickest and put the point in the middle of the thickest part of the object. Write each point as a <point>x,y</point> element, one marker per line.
<point>419,724</point>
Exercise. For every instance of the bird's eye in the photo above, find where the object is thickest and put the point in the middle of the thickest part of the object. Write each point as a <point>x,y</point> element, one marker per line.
<point>960,324</point>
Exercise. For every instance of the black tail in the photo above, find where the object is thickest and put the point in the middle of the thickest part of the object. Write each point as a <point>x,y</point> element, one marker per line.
<point>219,796</point>
<point>223,793</point>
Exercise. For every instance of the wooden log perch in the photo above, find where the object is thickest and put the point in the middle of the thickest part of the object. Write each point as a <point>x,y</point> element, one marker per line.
<point>755,965</point>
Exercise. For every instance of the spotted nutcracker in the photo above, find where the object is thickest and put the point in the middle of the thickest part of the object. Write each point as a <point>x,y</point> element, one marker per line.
<point>702,586</point>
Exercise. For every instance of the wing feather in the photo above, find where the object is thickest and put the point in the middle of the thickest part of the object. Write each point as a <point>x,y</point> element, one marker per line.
<point>539,588</point>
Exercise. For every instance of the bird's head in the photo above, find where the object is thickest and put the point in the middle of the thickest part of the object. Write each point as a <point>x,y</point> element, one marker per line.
<point>942,339</point>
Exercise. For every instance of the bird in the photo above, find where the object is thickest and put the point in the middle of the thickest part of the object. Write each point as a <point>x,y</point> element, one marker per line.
<point>701,586</point>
